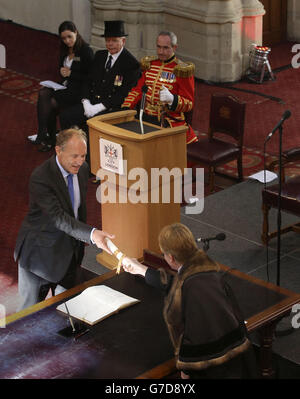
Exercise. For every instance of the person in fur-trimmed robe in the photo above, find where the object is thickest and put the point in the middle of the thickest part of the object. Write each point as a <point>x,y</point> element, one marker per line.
<point>204,322</point>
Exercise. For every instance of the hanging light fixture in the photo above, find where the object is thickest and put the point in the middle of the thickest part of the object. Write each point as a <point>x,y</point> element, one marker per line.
<point>259,63</point>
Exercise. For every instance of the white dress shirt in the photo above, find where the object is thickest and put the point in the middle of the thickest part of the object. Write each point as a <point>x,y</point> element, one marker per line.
<point>76,192</point>
<point>114,57</point>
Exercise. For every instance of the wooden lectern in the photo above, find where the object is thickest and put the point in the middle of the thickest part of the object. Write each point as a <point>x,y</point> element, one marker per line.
<point>136,225</point>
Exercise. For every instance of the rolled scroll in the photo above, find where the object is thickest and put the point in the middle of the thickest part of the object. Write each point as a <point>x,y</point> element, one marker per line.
<point>118,254</point>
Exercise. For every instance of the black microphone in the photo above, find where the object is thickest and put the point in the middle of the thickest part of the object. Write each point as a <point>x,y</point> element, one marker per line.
<point>285,116</point>
<point>143,100</point>
<point>219,237</point>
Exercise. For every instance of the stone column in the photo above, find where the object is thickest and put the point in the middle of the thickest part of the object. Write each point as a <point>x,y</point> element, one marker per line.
<point>79,8</point>
<point>143,20</point>
<point>293,20</point>
<point>102,10</point>
<point>215,34</point>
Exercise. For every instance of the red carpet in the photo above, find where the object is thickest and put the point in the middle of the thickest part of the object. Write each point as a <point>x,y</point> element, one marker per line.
<point>30,51</point>
<point>35,60</point>
<point>19,86</point>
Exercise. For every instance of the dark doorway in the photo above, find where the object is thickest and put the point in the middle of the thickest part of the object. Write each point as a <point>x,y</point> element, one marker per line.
<point>274,21</point>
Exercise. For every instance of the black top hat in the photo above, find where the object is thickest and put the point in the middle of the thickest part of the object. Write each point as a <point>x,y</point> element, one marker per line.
<point>114,29</point>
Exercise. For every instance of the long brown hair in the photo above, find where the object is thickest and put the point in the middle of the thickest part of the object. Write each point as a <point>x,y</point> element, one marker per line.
<point>69,25</point>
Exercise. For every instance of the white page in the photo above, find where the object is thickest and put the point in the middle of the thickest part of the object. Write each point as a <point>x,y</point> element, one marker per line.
<point>260,176</point>
<point>95,303</point>
<point>52,85</point>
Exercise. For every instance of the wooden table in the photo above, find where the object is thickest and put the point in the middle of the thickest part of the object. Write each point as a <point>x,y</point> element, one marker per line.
<point>122,346</point>
<point>263,305</point>
<point>131,344</point>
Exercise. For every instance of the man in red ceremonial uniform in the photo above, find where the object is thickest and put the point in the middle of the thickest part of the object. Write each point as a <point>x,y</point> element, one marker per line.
<point>169,86</point>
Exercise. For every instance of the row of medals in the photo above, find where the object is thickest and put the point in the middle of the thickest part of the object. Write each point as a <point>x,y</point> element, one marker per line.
<point>168,77</point>
<point>164,77</point>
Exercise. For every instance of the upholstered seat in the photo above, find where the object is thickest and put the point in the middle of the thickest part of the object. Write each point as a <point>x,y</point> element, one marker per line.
<point>227,115</point>
<point>290,196</point>
<point>214,151</point>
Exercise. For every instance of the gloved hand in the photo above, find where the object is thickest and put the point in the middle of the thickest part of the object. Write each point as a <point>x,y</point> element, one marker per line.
<point>91,110</point>
<point>166,96</point>
<point>87,107</point>
<point>96,108</point>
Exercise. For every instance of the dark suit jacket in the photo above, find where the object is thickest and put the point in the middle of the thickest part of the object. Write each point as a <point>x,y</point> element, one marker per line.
<point>50,235</point>
<point>80,67</point>
<point>110,88</point>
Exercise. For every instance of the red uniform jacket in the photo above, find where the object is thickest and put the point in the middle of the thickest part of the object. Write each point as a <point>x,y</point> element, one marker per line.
<point>178,78</point>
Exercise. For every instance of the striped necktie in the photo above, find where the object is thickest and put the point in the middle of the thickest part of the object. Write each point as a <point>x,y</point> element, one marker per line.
<point>71,188</point>
<point>108,64</point>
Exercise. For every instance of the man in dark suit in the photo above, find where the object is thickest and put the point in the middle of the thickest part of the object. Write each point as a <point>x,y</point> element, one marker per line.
<point>50,243</point>
<point>113,73</point>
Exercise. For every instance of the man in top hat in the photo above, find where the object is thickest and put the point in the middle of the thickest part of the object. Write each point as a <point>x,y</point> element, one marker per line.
<point>170,87</point>
<point>113,73</point>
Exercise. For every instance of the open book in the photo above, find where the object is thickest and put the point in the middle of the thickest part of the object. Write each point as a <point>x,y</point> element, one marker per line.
<point>52,85</point>
<point>96,303</point>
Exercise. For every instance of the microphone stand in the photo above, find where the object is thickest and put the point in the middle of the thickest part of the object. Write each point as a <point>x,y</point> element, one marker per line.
<point>142,106</point>
<point>265,188</point>
<point>205,245</point>
<point>278,127</point>
<point>279,206</point>
<point>141,121</point>
<point>75,330</point>
<point>284,330</point>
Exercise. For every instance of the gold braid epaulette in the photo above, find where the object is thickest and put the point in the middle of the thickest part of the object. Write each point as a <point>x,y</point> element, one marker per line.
<point>184,69</point>
<point>146,61</point>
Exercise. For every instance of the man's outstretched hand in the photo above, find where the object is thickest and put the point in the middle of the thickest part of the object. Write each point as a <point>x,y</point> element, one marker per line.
<point>98,238</point>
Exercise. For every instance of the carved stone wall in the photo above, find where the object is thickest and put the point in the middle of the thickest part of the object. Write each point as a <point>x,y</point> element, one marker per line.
<point>143,20</point>
<point>47,15</point>
<point>215,34</point>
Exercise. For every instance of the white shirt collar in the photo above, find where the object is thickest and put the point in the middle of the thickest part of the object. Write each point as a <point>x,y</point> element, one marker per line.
<point>114,56</point>
<point>63,171</point>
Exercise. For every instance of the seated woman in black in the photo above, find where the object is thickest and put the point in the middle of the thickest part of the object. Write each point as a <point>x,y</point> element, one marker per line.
<point>75,59</point>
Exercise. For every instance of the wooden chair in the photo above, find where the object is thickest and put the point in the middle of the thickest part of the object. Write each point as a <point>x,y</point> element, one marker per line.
<point>290,196</point>
<point>227,116</point>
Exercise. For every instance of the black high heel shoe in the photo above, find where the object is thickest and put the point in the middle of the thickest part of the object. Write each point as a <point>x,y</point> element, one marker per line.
<point>44,147</point>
